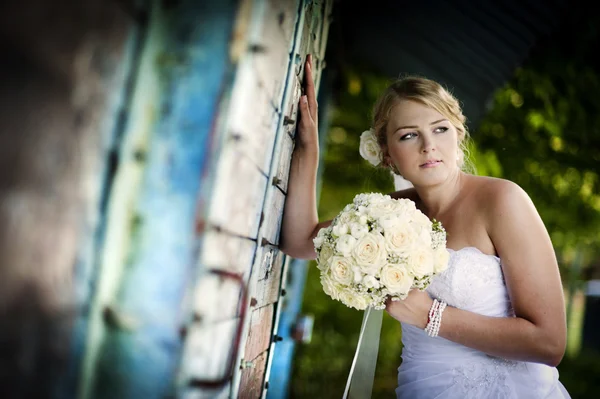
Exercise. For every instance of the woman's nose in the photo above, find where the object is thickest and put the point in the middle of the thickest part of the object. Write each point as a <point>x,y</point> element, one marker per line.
<point>428,145</point>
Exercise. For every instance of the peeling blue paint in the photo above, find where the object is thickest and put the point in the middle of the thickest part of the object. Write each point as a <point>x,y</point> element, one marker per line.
<point>142,361</point>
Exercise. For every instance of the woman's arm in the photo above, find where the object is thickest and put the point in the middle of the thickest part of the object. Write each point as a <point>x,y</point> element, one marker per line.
<point>300,222</point>
<point>538,332</point>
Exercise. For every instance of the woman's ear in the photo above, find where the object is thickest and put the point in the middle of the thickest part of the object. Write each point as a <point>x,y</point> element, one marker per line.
<point>387,161</point>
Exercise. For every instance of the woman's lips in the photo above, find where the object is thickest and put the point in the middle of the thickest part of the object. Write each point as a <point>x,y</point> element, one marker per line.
<point>431,164</point>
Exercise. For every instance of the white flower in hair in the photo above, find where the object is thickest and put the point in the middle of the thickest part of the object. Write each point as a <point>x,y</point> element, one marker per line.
<point>369,147</point>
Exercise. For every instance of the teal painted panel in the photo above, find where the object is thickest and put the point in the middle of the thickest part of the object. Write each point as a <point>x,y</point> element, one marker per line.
<point>140,358</point>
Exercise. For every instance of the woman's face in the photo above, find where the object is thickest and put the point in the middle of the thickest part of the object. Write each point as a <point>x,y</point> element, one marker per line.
<point>422,143</point>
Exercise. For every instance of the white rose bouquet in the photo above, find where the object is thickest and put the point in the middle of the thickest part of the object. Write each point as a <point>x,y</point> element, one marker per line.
<point>379,247</point>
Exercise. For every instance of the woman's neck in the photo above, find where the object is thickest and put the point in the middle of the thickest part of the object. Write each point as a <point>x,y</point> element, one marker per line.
<point>436,200</point>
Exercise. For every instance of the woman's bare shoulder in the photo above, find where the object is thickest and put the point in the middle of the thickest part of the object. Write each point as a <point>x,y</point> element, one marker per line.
<point>408,193</point>
<point>493,194</point>
<point>494,187</point>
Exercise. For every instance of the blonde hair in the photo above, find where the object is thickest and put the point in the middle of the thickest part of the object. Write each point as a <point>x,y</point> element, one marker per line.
<point>428,93</point>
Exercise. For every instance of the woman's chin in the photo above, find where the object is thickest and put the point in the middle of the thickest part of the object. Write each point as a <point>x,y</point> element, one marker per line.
<point>430,178</point>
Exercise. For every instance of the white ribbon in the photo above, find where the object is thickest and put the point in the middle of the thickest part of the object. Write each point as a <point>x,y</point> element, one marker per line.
<point>362,371</point>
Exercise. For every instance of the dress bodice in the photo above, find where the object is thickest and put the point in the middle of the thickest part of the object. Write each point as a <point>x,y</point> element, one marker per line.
<point>473,281</point>
<point>430,367</point>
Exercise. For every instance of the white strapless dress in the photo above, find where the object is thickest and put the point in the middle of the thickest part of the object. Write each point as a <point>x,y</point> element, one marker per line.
<point>439,368</point>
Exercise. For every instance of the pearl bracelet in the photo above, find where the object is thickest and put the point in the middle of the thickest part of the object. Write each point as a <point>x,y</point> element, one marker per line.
<point>434,320</point>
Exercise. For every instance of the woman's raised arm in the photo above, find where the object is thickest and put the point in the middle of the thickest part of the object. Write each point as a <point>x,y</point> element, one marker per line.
<point>300,219</point>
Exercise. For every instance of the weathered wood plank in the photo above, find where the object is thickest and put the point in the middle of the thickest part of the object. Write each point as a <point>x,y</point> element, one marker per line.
<point>268,279</point>
<point>238,194</point>
<point>290,106</point>
<point>285,159</point>
<point>313,20</point>
<point>286,13</point>
<point>216,298</point>
<point>224,251</point>
<point>208,347</point>
<point>259,337</point>
<point>273,213</point>
<point>267,268</point>
<point>275,41</point>
<point>327,18</point>
<point>252,118</point>
<point>251,384</point>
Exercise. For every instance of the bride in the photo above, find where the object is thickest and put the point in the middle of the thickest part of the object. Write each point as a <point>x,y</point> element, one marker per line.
<point>493,324</point>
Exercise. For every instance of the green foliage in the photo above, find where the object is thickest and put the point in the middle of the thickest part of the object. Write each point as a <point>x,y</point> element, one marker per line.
<point>540,135</point>
<point>580,375</point>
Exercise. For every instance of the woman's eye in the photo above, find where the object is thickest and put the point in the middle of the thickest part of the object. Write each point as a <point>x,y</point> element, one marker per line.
<point>440,129</point>
<point>408,136</point>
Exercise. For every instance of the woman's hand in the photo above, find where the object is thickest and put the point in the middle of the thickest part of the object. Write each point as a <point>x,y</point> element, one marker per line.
<point>413,310</point>
<point>308,132</point>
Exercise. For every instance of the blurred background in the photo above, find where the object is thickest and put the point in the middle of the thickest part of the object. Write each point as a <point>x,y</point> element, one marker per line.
<point>145,147</point>
<point>539,128</point>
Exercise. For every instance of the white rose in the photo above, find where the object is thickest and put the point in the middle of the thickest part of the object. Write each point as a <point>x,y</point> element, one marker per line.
<point>406,206</point>
<point>329,287</point>
<point>358,274</point>
<point>374,199</point>
<point>399,238</point>
<point>341,270</point>
<point>345,244</point>
<point>369,253</point>
<point>358,230</point>
<point>422,220</point>
<point>345,296</point>
<point>353,299</point>
<point>440,260</point>
<point>340,229</point>
<point>360,302</point>
<point>325,254</point>
<point>383,208</point>
<point>420,262</point>
<point>396,279</point>
<point>318,241</point>
<point>320,238</point>
<point>369,148</point>
<point>388,221</point>
<point>424,236</point>
<point>370,282</point>
<point>360,211</point>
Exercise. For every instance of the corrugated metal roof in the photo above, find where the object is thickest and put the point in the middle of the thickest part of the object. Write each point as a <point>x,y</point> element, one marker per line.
<point>470,47</point>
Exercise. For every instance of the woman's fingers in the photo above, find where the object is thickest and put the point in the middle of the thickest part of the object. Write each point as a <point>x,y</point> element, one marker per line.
<point>307,123</point>
<point>311,94</point>
<point>306,119</point>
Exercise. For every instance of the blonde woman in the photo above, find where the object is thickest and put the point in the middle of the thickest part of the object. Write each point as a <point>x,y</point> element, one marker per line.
<point>493,324</point>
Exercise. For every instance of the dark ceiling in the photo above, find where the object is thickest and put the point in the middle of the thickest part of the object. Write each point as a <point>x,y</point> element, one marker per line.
<point>472,47</point>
